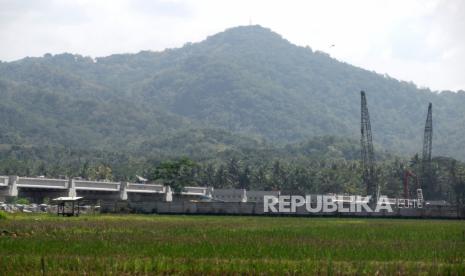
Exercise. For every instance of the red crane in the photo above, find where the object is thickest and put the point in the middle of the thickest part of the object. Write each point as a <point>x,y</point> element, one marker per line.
<point>407,175</point>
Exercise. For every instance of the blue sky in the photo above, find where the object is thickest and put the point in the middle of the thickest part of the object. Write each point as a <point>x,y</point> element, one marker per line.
<point>412,40</point>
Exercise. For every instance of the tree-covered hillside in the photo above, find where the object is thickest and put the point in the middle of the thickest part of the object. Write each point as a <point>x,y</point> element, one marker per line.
<point>245,86</point>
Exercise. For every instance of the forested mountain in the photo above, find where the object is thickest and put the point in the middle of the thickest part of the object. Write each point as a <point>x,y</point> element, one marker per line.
<point>246,87</point>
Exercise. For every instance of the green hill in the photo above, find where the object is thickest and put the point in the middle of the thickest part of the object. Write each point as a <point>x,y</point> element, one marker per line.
<point>244,86</point>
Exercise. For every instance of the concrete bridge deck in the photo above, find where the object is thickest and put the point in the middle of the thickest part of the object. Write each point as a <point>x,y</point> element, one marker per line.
<point>39,188</point>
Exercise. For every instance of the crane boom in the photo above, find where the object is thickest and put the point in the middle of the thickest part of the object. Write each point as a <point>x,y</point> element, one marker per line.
<point>367,152</point>
<point>426,173</point>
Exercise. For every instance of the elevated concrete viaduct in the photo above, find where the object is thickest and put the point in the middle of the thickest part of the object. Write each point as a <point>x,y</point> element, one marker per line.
<point>38,188</point>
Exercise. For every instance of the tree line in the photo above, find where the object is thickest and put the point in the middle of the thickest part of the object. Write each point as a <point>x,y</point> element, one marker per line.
<point>284,170</point>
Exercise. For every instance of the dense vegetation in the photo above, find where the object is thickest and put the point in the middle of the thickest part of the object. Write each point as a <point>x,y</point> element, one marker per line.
<point>246,80</point>
<point>245,107</point>
<point>34,245</point>
<point>320,165</point>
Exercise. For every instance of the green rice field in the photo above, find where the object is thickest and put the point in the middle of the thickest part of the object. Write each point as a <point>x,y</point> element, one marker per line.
<point>219,245</point>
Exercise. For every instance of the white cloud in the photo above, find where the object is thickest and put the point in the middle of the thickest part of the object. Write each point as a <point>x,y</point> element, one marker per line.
<point>413,40</point>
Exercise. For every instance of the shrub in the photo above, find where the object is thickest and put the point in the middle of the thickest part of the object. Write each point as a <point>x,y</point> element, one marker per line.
<point>46,200</point>
<point>3,215</point>
<point>22,201</point>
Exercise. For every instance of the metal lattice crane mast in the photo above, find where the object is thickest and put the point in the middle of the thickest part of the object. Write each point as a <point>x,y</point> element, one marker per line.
<point>427,148</point>
<point>366,141</point>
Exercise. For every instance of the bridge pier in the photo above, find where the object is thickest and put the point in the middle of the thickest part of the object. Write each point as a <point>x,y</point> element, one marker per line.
<point>4,188</point>
<point>168,194</point>
<point>71,188</point>
<point>123,193</point>
<point>8,187</point>
<point>12,185</point>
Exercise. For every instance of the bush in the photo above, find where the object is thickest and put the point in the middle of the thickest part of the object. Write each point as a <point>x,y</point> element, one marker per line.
<point>22,201</point>
<point>46,200</point>
<point>3,215</point>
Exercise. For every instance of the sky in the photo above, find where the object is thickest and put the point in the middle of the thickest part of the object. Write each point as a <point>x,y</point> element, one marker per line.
<point>422,41</point>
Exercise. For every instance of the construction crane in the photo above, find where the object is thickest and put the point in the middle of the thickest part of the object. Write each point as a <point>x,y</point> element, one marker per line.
<point>426,173</point>
<point>407,175</point>
<point>366,141</point>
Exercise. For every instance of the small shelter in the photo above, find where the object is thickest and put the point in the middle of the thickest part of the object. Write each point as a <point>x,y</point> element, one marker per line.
<point>68,205</point>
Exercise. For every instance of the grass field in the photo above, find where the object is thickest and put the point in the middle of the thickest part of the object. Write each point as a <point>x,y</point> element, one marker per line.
<point>152,244</point>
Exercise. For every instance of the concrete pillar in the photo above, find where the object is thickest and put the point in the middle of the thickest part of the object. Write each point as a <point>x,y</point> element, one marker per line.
<point>168,194</point>
<point>4,190</point>
<point>209,192</point>
<point>12,187</point>
<point>71,188</point>
<point>123,191</point>
<point>244,195</point>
